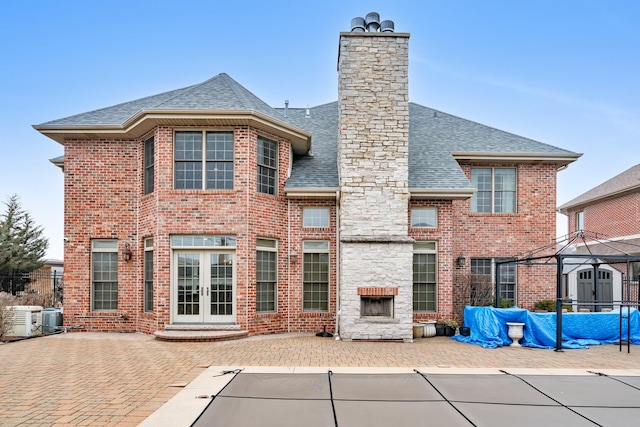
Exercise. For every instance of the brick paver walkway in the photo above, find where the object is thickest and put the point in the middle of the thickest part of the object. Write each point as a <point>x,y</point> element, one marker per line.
<point>120,379</point>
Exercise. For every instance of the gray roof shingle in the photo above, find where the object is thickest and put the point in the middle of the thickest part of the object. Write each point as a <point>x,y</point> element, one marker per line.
<point>218,93</point>
<point>627,180</point>
<point>433,135</point>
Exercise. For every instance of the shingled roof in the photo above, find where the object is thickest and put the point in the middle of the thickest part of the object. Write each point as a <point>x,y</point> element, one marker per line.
<point>437,141</point>
<point>626,182</point>
<point>218,93</point>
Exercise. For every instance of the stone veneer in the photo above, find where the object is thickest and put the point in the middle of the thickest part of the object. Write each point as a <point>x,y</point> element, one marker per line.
<point>373,147</point>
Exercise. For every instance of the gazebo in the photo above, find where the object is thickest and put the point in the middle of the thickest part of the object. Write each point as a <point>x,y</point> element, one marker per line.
<point>592,251</point>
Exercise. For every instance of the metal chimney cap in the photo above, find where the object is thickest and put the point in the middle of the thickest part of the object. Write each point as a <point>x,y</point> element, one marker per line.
<point>386,26</point>
<point>358,25</point>
<point>373,21</point>
<point>372,17</point>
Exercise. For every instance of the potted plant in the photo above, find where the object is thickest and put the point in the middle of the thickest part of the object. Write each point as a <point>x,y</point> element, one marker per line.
<point>439,329</point>
<point>450,326</point>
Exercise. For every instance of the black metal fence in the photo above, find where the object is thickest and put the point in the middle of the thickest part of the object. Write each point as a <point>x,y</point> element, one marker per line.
<point>41,282</point>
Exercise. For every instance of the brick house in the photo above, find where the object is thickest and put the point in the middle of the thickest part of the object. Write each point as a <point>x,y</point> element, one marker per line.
<point>610,214</point>
<point>206,206</point>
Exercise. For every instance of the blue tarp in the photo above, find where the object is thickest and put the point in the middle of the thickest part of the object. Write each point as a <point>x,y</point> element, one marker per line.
<point>579,330</point>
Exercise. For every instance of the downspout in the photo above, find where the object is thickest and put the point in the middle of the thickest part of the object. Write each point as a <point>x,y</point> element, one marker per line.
<point>288,266</point>
<point>246,267</point>
<point>337,326</point>
<point>138,247</point>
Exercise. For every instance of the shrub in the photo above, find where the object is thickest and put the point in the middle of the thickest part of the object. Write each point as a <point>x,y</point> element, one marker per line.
<point>504,303</point>
<point>545,304</point>
<point>550,305</point>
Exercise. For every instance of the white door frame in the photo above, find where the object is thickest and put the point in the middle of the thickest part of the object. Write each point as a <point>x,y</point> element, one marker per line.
<point>206,307</point>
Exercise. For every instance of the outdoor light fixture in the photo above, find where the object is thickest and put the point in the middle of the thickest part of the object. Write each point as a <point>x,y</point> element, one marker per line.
<point>126,253</point>
<point>461,261</point>
<point>293,255</point>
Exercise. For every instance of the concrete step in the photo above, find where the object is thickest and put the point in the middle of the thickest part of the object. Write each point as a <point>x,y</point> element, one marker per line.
<point>200,335</point>
<point>203,327</point>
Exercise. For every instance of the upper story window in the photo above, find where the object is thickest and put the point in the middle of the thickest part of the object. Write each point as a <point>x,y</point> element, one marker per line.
<point>207,165</point>
<point>424,217</point>
<point>496,190</point>
<point>149,159</point>
<point>579,221</point>
<point>267,166</point>
<point>315,217</point>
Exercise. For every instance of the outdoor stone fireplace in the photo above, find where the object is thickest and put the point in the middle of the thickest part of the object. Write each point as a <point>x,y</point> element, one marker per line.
<point>377,302</point>
<point>375,251</point>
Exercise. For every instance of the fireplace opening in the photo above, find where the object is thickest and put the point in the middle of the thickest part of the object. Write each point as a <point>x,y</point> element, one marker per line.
<point>376,306</point>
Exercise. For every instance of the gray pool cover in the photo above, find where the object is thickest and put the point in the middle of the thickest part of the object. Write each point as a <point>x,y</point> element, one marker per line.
<point>371,400</point>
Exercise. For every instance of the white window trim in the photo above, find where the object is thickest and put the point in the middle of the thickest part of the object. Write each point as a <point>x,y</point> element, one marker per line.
<point>310,209</point>
<point>111,248</point>
<point>420,247</point>
<point>273,249</point>
<point>148,247</point>
<point>424,208</point>
<point>203,159</point>
<point>493,190</point>
<point>317,250</point>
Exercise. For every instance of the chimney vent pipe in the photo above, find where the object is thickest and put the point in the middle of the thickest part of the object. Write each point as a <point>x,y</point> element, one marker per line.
<point>373,22</point>
<point>386,26</point>
<point>358,25</point>
<point>286,108</point>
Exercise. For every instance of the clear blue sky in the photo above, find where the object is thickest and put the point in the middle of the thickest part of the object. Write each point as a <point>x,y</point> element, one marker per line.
<point>562,72</point>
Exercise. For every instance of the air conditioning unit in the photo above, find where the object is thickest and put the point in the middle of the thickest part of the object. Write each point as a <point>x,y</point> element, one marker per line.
<point>26,320</point>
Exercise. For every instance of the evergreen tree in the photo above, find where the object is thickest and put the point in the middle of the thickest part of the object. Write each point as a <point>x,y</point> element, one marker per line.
<point>22,246</point>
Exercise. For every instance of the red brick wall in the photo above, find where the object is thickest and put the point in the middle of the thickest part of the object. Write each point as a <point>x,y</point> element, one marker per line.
<point>104,200</point>
<point>533,226</point>
<point>443,234</point>
<point>311,321</point>
<point>101,191</point>
<point>616,217</point>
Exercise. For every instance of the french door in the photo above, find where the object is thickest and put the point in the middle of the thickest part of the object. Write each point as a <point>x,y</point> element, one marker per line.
<point>203,287</point>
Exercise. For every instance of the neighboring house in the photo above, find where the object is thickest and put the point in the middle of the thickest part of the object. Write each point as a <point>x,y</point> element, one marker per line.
<point>46,279</point>
<point>610,215</point>
<point>206,206</point>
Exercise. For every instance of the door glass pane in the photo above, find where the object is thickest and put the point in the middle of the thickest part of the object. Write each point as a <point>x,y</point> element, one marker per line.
<point>188,284</point>
<point>221,285</point>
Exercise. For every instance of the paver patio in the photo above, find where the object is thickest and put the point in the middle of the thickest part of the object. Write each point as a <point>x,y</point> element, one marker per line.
<point>120,379</point>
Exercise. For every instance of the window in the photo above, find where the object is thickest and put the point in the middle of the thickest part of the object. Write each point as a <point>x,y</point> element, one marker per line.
<point>149,159</point>
<point>425,276</point>
<point>266,275</point>
<point>315,217</point>
<point>496,190</point>
<point>267,166</point>
<point>424,217</point>
<point>484,268</point>
<point>148,275</point>
<point>104,274</point>
<point>206,241</point>
<point>315,276</point>
<point>579,221</point>
<point>214,162</point>
<point>508,282</point>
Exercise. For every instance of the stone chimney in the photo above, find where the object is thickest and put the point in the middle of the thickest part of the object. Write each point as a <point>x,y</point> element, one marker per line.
<point>376,253</point>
